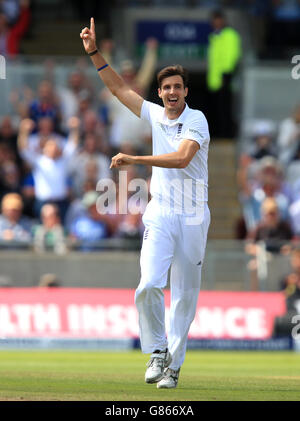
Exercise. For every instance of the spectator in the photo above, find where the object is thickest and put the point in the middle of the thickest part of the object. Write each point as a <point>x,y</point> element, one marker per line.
<point>10,36</point>
<point>291,287</point>
<point>89,227</point>
<point>124,221</point>
<point>224,54</point>
<point>130,225</point>
<point>70,95</point>
<point>28,194</point>
<point>92,125</point>
<point>46,105</point>
<point>44,131</point>
<point>49,280</point>
<point>20,99</point>
<point>262,146</point>
<point>85,103</point>
<point>289,137</point>
<point>88,160</point>
<point>271,236</point>
<point>13,225</point>
<point>125,127</point>
<point>269,183</point>
<point>50,167</point>
<point>10,177</point>
<point>6,155</point>
<point>293,172</point>
<point>8,134</point>
<point>263,140</point>
<point>272,229</point>
<point>11,9</point>
<point>50,234</point>
<point>77,208</point>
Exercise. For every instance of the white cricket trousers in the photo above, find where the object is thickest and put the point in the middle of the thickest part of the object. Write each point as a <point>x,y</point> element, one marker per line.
<point>169,241</point>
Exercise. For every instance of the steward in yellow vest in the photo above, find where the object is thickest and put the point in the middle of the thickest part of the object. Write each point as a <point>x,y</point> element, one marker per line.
<point>223,56</point>
<point>224,52</point>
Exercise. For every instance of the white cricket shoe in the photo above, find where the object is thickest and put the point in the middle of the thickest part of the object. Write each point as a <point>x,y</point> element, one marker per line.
<point>156,365</point>
<point>169,380</point>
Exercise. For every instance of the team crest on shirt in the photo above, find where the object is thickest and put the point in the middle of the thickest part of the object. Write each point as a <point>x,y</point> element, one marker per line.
<point>179,130</point>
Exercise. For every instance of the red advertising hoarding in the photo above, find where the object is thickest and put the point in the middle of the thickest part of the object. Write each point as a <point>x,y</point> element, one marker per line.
<point>111,313</point>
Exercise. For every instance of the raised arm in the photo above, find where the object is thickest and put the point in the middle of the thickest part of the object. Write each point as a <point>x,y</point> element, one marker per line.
<point>26,127</point>
<point>110,78</point>
<point>74,130</point>
<point>72,144</point>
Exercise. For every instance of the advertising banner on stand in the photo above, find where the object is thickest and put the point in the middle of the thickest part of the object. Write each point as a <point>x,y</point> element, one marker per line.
<point>111,314</point>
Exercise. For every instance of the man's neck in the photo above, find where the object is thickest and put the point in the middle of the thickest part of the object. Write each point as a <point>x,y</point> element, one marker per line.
<point>174,115</point>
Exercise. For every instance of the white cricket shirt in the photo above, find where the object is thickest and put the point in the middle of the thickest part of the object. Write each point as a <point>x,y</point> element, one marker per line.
<point>185,188</point>
<point>50,175</point>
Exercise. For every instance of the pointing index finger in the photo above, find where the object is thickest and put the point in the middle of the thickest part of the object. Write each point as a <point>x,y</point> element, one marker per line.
<point>92,27</point>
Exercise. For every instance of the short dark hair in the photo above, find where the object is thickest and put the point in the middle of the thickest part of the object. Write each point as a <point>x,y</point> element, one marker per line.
<point>218,14</point>
<point>174,70</point>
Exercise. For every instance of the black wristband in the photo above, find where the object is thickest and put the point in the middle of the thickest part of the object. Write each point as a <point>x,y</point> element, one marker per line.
<point>93,53</point>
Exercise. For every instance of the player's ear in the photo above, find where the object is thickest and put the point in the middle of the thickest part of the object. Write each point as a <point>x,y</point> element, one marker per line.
<point>186,90</point>
<point>159,92</point>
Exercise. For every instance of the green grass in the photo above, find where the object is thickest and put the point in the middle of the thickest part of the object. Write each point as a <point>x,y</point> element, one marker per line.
<point>205,375</point>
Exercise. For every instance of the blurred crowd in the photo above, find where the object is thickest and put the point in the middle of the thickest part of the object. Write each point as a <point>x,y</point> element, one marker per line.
<point>57,146</point>
<point>269,189</point>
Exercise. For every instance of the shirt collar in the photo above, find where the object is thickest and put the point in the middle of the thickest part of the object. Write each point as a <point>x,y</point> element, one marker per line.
<point>179,120</point>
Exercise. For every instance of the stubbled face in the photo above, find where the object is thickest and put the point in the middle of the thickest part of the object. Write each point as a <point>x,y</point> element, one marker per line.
<point>173,93</point>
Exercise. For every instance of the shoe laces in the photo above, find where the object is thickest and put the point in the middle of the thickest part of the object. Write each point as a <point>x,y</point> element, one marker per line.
<point>157,359</point>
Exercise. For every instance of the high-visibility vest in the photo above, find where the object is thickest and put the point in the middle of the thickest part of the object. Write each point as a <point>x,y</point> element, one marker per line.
<point>224,52</point>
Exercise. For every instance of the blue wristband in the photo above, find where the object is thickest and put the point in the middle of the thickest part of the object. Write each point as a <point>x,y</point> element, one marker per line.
<point>103,67</point>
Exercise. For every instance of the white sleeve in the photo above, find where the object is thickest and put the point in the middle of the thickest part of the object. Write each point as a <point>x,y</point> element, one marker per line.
<point>145,111</point>
<point>196,129</point>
